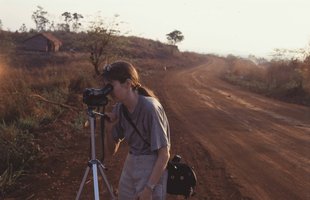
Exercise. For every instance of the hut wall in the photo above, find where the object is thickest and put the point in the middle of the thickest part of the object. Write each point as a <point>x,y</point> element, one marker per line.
<point>38,43</point>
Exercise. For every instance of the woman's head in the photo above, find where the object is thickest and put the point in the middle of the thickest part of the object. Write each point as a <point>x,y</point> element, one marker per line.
<point>124,73</point>
<point>121,71</point>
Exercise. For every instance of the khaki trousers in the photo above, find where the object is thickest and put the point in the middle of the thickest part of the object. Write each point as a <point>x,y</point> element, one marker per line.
<point>136,173</point>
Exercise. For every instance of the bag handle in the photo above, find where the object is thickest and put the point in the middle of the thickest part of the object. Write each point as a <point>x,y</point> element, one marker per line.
<point>125,112</point>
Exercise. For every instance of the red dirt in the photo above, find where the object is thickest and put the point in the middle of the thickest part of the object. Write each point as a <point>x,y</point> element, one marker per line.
<point>242,145</point>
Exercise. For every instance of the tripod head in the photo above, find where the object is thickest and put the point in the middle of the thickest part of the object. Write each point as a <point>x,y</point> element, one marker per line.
<point>92,113</point>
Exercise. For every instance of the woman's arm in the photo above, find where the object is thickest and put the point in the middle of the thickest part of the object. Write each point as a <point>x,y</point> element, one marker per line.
<point>160,165</point>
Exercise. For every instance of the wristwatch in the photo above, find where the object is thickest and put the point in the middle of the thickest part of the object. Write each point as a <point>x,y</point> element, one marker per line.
<point>150,186</point>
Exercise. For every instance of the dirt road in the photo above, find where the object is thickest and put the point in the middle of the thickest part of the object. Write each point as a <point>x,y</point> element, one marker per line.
<point>263,144</point>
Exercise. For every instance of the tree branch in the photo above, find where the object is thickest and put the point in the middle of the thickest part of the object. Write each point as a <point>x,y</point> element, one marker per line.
<point>40,98</point>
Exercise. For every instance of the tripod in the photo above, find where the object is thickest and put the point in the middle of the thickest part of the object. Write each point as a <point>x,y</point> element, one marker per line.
<point>94,163</point>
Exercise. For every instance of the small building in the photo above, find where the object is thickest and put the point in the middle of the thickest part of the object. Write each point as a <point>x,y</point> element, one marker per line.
<point>44,42</point>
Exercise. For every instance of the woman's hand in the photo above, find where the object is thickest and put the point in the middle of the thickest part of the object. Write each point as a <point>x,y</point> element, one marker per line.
<point>146,194</point>
<point>111,118</point>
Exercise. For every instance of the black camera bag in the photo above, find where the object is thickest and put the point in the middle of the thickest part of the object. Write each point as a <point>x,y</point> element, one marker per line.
<point>181,178</point>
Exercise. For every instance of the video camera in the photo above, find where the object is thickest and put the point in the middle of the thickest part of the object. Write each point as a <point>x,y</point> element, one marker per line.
<point>97,97</point>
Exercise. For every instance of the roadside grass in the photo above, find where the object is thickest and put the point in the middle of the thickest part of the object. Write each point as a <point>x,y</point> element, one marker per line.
<point>18,151</point>
<point>22,114</point>
<point>284,80</point>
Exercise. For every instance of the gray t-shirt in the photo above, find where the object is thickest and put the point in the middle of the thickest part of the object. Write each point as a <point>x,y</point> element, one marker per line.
<point>152,123</point>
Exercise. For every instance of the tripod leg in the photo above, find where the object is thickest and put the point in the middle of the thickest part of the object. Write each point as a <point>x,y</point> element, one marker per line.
<point>101,167</point>
<point>96,186</point>
<point>82,184</point>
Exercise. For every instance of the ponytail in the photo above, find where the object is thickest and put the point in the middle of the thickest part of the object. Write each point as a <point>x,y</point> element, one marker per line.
<point>144,91</point>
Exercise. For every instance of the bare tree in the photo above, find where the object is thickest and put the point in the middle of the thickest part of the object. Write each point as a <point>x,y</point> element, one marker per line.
<point>39,17</point>
<point>68,20</point>
<point>71,22</point>
<point>76,21</point>
<point>52,26</point>
<point>23,28</point>
<point>100,41</point>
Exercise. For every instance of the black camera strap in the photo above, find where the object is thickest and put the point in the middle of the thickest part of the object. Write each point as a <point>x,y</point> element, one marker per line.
<point>126,114</point>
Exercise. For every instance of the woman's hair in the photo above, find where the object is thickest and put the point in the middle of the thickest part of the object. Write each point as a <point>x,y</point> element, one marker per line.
<point>121,71</point>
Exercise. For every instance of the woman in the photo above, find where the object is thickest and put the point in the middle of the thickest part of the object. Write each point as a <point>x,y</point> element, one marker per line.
<point>144,175</point>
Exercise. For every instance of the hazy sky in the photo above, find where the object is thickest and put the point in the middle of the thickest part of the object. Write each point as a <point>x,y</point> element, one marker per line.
<point>240,27</point>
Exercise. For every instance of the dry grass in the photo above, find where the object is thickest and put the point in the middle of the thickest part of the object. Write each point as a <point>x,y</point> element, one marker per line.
<point>286,80</point>
<point>51,82</point>
<point>22,114</point>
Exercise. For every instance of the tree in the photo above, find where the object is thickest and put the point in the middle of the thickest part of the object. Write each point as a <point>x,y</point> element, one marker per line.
<point>39,17</point>
<point>52,26</point>
<point>100,41</point>
<point>72,22</point>
<point>62,27</point>
<point>0,25</point>
<point>76,21</point>
<point>23,28</point>
<point>175,37</point>
<point>68,20</point>
<point>288,54</point>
